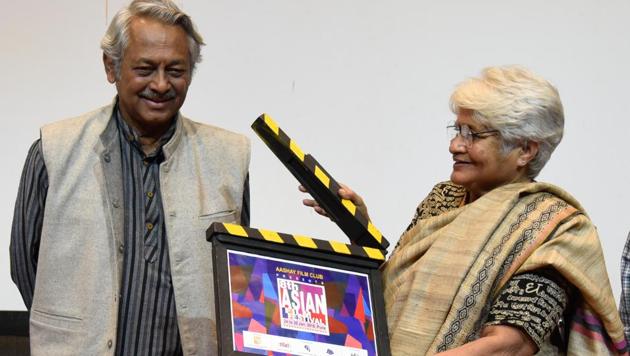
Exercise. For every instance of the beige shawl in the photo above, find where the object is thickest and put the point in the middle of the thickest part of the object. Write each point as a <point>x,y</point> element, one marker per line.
<point>444,275</point>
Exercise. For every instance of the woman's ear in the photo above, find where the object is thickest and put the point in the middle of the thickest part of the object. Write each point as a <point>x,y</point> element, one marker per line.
<point>529,150</point>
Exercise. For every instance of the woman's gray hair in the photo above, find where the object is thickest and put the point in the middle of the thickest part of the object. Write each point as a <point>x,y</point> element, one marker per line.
<point>519,104</point>
<point>116,38</point>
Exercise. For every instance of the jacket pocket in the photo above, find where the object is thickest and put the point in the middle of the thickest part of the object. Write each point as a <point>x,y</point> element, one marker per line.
<point>55,334</point>
<point>222,216</point>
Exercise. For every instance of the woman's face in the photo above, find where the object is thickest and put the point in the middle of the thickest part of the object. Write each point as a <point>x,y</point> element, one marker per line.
<point>480,166</point>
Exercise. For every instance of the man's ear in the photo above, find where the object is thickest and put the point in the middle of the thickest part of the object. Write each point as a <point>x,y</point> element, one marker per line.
<point>110,69</point>
<point>529,150</point>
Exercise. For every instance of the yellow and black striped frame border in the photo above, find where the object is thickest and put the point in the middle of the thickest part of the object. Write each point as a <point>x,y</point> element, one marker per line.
<point>323,177</point>
<point>336,247</point>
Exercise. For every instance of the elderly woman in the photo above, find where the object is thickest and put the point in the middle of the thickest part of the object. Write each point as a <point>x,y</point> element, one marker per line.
<point>494,262</point>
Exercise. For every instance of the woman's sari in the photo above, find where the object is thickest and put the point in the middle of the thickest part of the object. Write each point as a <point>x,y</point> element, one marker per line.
<point>448,268</point>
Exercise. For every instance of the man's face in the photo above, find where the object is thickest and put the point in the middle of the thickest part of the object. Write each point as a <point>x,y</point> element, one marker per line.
<point>155,73</point>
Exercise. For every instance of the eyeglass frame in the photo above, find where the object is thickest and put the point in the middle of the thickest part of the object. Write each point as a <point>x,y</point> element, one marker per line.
<point>470,137</point>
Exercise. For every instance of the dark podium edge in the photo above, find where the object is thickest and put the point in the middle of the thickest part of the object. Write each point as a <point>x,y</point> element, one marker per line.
<point>14,333</point>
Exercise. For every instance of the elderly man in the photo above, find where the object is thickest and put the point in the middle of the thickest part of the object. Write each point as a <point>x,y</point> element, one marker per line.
<point>108,243</point>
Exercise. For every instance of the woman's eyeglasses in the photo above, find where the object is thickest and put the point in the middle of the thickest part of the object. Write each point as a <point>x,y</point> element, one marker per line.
<point>467,134</point>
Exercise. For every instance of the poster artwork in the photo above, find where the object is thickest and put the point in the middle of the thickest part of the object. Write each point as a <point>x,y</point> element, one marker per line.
<point>293,308</point>
<point>302,306</point>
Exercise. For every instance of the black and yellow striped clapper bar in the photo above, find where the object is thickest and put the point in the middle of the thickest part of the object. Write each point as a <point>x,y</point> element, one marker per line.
<point>320,184</point>
<point>304,242</point>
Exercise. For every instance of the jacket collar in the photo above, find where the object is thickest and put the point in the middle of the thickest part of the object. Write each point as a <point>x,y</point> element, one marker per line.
<point>108,137</point>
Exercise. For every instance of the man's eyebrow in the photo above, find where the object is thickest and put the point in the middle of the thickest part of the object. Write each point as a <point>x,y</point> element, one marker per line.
<point>176,62</point>
<point>171,63</point>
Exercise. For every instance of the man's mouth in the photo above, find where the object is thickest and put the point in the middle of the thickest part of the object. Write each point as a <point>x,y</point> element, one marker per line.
<point>157,100</point>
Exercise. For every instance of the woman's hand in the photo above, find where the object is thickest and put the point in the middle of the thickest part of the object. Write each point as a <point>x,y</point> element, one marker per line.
<point>345,193</point>
<point>497,340</point>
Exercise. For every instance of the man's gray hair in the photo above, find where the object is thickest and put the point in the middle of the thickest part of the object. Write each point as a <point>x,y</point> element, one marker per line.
<point>519,104</point>
<point>116,38</point>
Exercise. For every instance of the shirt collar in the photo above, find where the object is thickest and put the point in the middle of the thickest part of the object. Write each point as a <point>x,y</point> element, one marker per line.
<point>132,136</point>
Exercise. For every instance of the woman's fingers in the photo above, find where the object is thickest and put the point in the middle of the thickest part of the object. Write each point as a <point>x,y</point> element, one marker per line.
<point>347,193</point>
<point>312,203</point>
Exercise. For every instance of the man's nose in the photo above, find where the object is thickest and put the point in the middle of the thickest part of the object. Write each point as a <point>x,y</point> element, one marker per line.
<point>160,83</point>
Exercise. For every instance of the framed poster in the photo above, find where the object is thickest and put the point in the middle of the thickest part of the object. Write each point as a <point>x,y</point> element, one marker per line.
<point>277,299</point>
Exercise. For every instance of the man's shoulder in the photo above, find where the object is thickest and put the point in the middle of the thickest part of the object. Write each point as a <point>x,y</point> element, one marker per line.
<point>219,146</point>
<point>68,126</point>
<point>212,132</point>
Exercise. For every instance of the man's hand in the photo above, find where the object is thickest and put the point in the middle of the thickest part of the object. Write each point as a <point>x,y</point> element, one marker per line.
<point>345,193</point>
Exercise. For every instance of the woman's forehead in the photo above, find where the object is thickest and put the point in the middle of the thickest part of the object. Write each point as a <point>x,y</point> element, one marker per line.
<point>466,118</point>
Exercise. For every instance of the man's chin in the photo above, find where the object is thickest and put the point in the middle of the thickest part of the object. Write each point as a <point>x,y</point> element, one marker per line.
<point>154,118</point>
<point>158,114</point>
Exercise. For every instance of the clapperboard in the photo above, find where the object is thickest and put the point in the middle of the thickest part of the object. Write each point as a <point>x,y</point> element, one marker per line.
<point>290,294</point>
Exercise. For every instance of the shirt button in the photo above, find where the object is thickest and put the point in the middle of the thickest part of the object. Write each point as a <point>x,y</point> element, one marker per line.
<point>121,248</point>
<point>150,195</point>
<point>149,226</point>
<point>107,157</point>
<point>109,344</point>
<point>116,203</point>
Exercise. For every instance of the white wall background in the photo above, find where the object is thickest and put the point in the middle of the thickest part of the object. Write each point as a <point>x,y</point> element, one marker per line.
<point>363,85</point>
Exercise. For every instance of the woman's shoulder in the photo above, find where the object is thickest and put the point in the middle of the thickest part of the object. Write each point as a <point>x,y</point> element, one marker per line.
<point>444,197</point>
<point>448,190</point>
<point>553,190</point>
